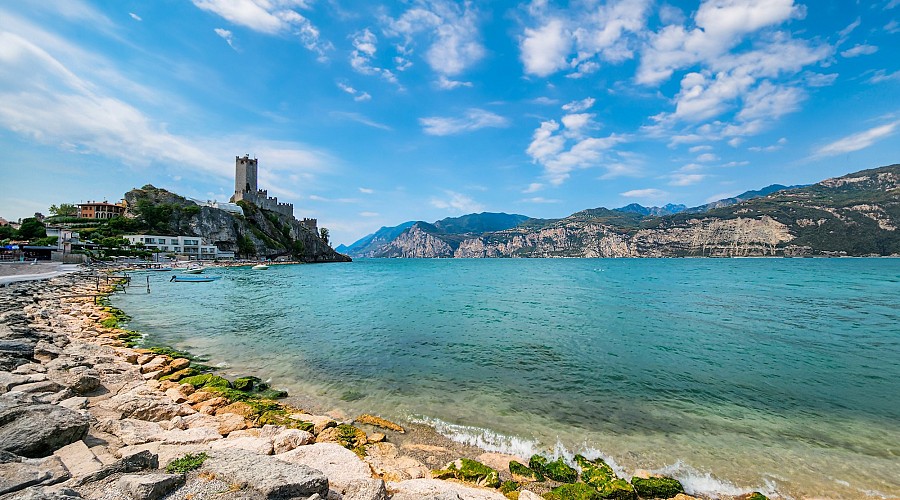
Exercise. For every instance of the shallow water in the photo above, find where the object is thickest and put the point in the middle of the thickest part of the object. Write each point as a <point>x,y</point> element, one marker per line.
<point>779,375</point>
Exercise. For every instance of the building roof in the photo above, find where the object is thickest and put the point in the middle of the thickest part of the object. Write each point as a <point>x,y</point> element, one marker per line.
<point>100,203</point>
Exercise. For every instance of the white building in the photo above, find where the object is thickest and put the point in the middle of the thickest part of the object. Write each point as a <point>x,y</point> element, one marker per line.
<point>189,246</point>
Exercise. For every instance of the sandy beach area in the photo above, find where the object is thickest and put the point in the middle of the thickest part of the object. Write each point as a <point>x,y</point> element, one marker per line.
<point>84,416</point>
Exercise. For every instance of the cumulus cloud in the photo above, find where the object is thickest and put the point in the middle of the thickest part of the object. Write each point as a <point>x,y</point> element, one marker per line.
<point>579,38</point>
<point>560,150</point>
<point>447,84</point>
<point>272,17</point>
<point>450,31</point>
<point>681,179</point>
<point>857,141</point>
<point>472,120</point>
<point>456,203</point>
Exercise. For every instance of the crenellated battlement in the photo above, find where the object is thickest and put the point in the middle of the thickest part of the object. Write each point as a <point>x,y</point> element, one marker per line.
<point>246,171</point>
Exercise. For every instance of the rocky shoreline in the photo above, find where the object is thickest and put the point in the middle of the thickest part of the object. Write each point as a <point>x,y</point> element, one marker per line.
<point>84,416</point>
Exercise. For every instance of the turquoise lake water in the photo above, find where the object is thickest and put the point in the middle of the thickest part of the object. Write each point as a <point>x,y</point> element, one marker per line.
<point>780,375</point>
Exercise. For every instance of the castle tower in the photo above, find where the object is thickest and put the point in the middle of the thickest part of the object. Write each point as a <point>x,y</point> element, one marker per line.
<point>245,170</point>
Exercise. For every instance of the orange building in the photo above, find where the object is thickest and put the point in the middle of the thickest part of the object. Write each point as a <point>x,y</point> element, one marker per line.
<point>100,210</point>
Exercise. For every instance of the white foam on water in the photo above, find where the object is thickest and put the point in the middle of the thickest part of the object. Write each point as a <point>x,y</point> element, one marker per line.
<point>703,483</point>
<point>485,439</point>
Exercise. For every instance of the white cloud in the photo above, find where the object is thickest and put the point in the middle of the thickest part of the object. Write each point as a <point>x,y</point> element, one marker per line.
<point>857,141</point>
<point>548,148</point>
<point>226,35</point>
<point>366,190</point>
<point>545,101</point>
<point>707,157</point>
<point>544,50</point>
<point>892,26</point>
<point>272,17</point>
<point>697,149</point>
<point>579,106</point>
<point>844,33</point>
<point>74,113</point>
<point>647,194</point>
<point>860,50</point>
<point>358,96</point>
<point>883,76</point>
<point>449,29</point>
<point>679,179</point>
<point>579,37</point>
<point>457,203</point>
<point>768,149</point>
<point>365,45</point>
<point>135,16</point>
<point>574,123</point>
<point>533,188</point>
<point>369,214</point>
<point>447,84</point>
<point>540,199</point>
<point>473,119</point>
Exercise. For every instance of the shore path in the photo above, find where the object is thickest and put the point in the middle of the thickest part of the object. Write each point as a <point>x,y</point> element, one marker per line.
<point>84,416</point>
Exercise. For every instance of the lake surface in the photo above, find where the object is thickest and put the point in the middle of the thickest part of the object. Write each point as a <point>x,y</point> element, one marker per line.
<point>780,375</point>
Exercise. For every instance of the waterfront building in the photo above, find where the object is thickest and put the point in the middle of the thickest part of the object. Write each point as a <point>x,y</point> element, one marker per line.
<point>191,247</point>
<point>100,210</point>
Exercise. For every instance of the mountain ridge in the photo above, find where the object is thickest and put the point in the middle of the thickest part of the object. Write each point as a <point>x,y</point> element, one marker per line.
<point>855,214</point>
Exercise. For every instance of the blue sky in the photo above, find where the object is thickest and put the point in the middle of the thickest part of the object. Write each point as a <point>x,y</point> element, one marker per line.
<point>364,114</point>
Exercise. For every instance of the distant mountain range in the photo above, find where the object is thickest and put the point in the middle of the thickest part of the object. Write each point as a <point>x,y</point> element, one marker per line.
<point>857,214</point>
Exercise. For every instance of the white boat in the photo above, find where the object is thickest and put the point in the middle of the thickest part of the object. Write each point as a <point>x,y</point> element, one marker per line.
<point>259,267</point>
<point>194,270</point>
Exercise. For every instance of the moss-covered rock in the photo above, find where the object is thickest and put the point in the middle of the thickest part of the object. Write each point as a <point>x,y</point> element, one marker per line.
<point>657,487</point>
<point>617,489</point>
<point>595,472</point>
<point>471,471</point>
<point>245,383</point>
<point>521,472</point>
<point>753,496</point>
<point>560,471</point>
<point>181,374</point>
<point>574,491</point>
<point>206,380</point>
<point>508,487</point>
<point>537,463</point>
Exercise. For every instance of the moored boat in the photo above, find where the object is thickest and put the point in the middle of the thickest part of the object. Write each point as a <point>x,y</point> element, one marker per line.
<point>193,279</point>
<point>260,267</point>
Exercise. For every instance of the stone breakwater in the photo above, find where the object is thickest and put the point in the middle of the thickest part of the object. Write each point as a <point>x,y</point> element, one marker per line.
<point>84,416</point>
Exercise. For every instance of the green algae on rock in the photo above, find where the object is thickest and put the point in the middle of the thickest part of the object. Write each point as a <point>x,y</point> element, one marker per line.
<point>573,491</point>
<point>560,471</point>
<point>523,473</point>
<point>595,472</point>
<point>471,471</point>
<point>617,489</point>
<point>657,487</point>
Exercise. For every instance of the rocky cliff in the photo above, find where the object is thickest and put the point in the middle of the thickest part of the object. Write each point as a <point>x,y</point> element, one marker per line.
<point>857,214</point>
<point>257,233</point>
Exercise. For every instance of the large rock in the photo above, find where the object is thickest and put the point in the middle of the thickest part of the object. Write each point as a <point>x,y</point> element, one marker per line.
<point>81,379</point>
<point>17,473</point>
<point>419,489</point>
<point>58,492</point>
<point>144,404</point>
<point>14,353</point>
<point>38,430</point>
<point>132,431</point>
<point>370,489</point>
<point>133,463</point>
<point>271,477</point>
<point>78,459</point>
<point>149,486</point>
<point>259,446</point>
<point>341,465</point>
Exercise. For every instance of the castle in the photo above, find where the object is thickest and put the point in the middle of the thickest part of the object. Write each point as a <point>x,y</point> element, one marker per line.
<point>246,189</point>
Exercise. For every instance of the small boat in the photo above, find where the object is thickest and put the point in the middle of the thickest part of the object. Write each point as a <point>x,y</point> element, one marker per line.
<point>260,267</point>
<point>167,269</point>
<point>194,270</point>
<point>193,279</point>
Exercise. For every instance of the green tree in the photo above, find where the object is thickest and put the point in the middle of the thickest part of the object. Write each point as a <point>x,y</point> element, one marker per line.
<point>30,229</point>
<point>6,232</point>
<point>245,247</point>
<point>297,248</point>
<point>64,209</point>
<point>323,233</point>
